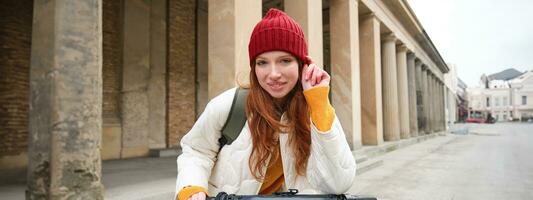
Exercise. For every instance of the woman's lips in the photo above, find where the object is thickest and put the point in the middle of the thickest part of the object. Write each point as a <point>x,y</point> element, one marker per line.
<point>276,86</point>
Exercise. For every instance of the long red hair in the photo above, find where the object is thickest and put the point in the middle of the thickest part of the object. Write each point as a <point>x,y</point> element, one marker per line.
<point>264,123</point>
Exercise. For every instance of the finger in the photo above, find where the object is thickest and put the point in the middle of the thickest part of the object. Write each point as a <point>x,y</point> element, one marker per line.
<point>326,76</point>
<point>317,76</point>
<point>309,72</point>
<point>315,73</point>
<point>320,77</point>
<point>202,196</point>
<point>304,72</point>
<point>196,196</point>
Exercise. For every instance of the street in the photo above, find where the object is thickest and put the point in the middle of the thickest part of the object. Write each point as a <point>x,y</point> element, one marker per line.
<point>492,162</point>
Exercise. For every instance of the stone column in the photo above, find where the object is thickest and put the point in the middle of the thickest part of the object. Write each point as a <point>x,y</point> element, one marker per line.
<point>135,78</point>
<point>440,112</point>
<point>443,95</point>
<point>371,97</point>
<point>450,104</point>
<point>157,89</point>
<point>437,104</point>
<point>230,25</point>
<point>431,102</point>
<point>411,78</point>
<point>419,97</point>
<point>308,13</point>
<point>391,123</point>
<point>403,92</point>
<point>444,106</point>
<point>344,31</point>
<point>425,99</point>
<point>65,115</point>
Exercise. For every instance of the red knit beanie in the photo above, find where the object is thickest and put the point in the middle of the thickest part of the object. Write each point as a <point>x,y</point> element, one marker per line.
<point>277,31</point>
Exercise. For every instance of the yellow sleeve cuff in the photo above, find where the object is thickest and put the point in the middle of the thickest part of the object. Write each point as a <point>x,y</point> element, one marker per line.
<point>188,191</point>
<point>322,113</point>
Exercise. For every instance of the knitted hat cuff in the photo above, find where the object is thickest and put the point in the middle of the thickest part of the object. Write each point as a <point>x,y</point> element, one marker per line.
<point>277,32</point>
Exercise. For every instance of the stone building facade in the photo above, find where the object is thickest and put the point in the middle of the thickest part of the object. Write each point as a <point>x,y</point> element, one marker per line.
<point>89,80</point>
<point>462,101</point>
<point>452,91</point>
<point>521,97</point>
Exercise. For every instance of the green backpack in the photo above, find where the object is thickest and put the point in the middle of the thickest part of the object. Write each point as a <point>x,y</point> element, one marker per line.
<point>236,118</point>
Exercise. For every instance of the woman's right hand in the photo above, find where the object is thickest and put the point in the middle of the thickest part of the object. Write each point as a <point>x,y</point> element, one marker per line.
<point>313,76</point>
<point>198,196</point>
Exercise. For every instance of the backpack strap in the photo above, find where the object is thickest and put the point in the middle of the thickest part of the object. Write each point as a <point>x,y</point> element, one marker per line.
<point>236,118</point>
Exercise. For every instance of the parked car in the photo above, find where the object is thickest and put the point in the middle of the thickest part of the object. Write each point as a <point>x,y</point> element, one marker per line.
<point>475,120</point>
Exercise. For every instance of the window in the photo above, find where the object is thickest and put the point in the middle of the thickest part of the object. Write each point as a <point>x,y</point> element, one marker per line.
<point>524,100</point>
<point>504,101</point>
<point>488,102</point>
<point>496,101</point>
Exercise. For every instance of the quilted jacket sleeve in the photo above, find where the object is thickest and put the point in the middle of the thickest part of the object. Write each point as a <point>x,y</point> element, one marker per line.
<point>331,166</point>
<point>200,145</point>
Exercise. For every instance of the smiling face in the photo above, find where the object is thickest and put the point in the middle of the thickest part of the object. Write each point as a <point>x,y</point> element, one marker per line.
<point>277,72</point>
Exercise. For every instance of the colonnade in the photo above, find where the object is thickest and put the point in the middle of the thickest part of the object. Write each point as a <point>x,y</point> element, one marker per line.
<point>386,86</point>
<point>386,78</point>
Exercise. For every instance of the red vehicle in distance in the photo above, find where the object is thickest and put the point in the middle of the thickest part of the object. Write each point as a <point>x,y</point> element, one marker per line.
<point>480,117</point>
<point>475,120</point>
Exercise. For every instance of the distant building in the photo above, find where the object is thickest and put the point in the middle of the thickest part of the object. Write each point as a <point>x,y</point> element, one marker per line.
<point>451,83</point>
<point>462,101</point>
<point>503,95</point>
<point>456,97</point>
<point>521,95</point>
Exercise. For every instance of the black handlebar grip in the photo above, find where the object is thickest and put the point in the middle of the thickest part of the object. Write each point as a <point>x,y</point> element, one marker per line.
<point>225,196</point>
<point>220,196</point>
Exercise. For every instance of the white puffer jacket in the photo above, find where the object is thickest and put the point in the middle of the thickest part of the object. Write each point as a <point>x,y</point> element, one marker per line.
<point>331,165</point>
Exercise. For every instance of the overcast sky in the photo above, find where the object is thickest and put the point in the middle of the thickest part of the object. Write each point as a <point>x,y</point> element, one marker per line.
<point>479,36</point>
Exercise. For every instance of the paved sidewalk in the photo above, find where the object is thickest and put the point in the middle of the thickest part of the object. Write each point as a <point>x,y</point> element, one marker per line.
<point>139,178</point>
<point>154,178</point>
<point>493,161</point>
<point>379,182</point>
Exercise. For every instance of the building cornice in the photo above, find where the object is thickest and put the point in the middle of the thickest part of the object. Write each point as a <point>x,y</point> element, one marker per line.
<point>403,12</point>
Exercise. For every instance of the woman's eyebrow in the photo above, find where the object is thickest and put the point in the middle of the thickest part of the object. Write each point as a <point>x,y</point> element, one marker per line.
<point>285,56</point>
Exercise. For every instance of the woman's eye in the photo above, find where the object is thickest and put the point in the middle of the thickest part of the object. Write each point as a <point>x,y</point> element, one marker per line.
<point>286,61</point>
<point>260,63</point>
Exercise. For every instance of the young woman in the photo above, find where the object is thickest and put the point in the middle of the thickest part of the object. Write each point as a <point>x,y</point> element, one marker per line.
<point>292,138</point>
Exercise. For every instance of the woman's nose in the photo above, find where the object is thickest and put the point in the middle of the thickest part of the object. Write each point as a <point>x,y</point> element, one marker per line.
<point>274,72</point>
